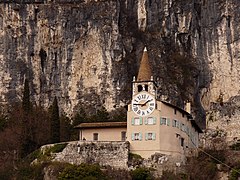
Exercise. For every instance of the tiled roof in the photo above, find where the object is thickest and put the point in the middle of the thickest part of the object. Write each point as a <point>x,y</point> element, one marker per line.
<point>145,71</point>
<point>101,125</point>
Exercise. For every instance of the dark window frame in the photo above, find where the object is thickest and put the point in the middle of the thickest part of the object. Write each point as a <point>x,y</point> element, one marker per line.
<point>95,136</point>
<point>123,135</point>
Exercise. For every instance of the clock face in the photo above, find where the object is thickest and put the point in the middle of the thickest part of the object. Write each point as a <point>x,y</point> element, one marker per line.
<point>143,104</point>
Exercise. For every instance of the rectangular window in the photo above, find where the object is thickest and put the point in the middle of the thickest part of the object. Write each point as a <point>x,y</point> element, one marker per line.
<point>95,136</point>
<point>123,135</point>
<point>150,120</point>
<point>137,121</point>
<point>163,121</point>
<point>168,121</point>
<point>136,136</point>
<point>175,111</point>
<point>183,127</point>
<point>177,125</point>
<point>174,123</point>
<point>150,136</point>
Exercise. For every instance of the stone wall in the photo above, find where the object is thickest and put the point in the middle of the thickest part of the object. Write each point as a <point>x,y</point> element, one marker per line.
<point>114,154</point>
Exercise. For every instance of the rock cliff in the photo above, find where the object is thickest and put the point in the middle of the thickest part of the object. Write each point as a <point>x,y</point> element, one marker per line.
<point>87,51</point>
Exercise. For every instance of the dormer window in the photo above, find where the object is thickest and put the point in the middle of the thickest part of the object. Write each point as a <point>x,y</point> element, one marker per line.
<point>140,88</point>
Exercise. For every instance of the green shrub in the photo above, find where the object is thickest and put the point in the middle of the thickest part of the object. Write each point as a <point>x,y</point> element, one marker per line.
<point>235,172</point>
<point>37,154</point>
<point>83,171</point>
<point>34,155</point>
<point>141,174</point>
<point>56,148</point>
<point>134,156</point>
<point>235,146</point>
<point>234,175</point>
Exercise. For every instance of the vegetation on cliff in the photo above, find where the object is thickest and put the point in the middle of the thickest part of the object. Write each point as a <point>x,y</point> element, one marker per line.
<point>55,122</point>
<point>25,126</point>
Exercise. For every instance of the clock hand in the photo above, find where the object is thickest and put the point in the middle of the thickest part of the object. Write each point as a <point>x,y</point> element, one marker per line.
<point>146,102</point>
<point>137,104</point>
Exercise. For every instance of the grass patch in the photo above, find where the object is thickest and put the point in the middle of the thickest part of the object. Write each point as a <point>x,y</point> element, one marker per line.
<point>55,149</point>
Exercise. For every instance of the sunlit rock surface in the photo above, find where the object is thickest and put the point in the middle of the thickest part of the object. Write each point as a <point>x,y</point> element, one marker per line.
<point>86,52</point>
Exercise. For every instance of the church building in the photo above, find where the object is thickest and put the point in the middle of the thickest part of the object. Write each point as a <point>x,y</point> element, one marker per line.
<point>152,126</point>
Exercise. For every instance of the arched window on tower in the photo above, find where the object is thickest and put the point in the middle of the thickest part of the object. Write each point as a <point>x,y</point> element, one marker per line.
<point>146,87</point>
<point>140,88</point>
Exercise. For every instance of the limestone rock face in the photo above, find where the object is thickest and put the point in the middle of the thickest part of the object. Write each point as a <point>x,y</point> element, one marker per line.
<point>66,50</point>
<point>86,52</point>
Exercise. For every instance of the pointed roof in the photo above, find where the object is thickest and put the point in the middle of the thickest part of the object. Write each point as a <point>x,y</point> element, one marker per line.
<point>145,72</point>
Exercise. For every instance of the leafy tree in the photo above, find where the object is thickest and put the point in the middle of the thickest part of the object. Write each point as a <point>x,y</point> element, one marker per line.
<point>119,115</point>
<point>101,116</point>
<point>55,122</point>
<point>80,117</point>
<point>27,135</point>
<point>65,128</point>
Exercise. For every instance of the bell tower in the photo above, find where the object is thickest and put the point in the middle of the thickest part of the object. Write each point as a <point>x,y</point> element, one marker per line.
<point>144,81</point>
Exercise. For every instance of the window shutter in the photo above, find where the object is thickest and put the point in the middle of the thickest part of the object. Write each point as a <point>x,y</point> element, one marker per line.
<point>168,121</point>
<point>132,121</point>
<point>161,121</point>
<point>140,136</point>
<point>153,136</point>
<point>132,136</point>
<point>146,121</point>
<point>154,120</point>
<point>146,136</point>
<point>141,119</point>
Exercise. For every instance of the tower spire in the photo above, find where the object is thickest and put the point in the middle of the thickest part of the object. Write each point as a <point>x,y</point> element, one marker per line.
<point>145,71</point>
